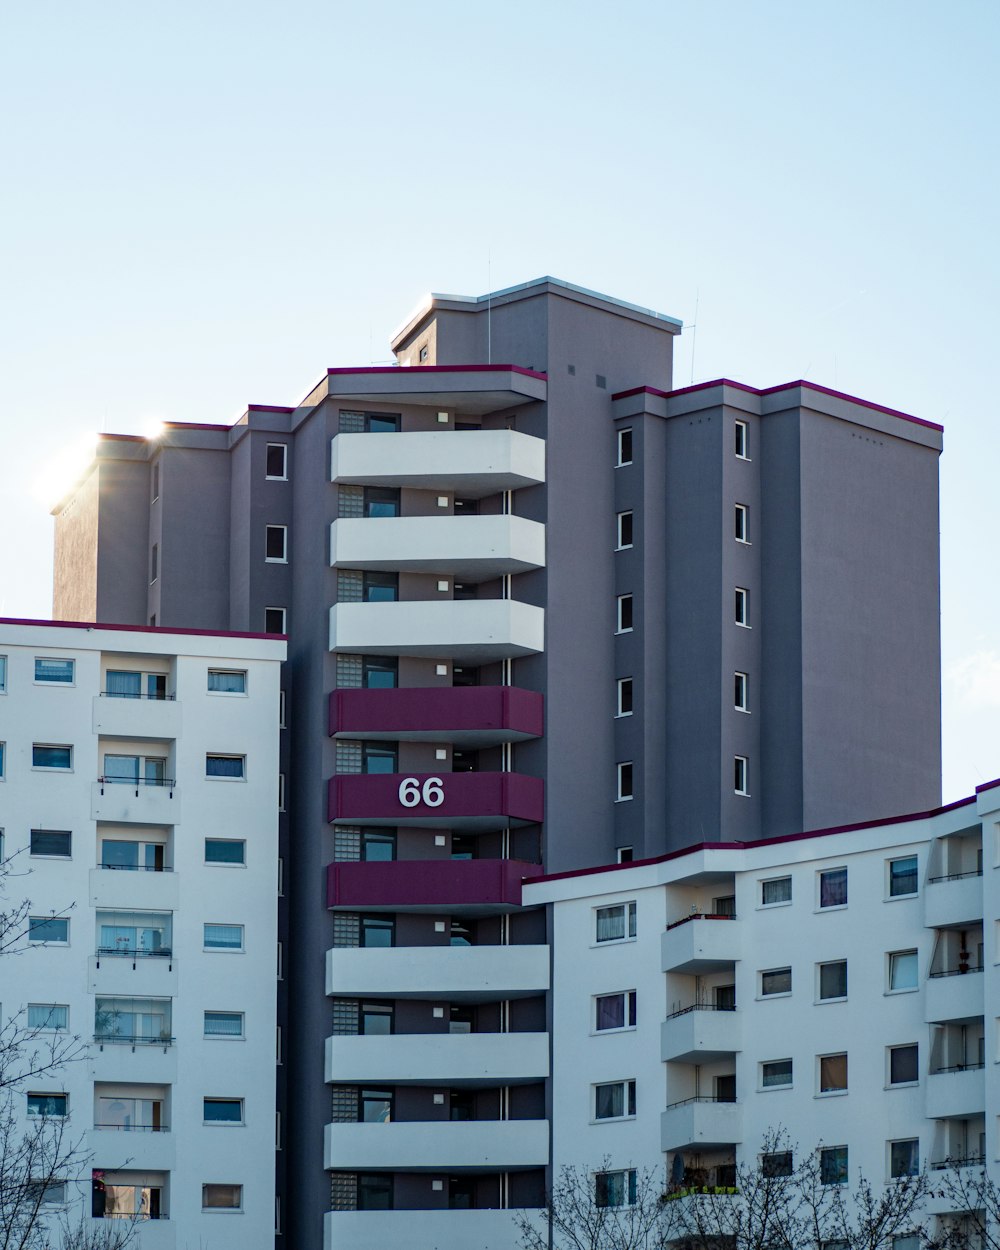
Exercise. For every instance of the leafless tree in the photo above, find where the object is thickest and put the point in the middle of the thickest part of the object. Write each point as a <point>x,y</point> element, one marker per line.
<point>974,1198</point>
<point>603,1209</point>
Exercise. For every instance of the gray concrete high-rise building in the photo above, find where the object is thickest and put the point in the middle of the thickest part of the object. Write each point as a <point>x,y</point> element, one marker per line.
<point>548,612</point>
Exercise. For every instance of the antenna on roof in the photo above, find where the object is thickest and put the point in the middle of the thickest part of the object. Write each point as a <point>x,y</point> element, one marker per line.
<point>489,307</point>
<point>694,332</point>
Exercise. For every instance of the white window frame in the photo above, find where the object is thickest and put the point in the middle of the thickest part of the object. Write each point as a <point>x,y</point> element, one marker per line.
<point>741,776</point>
<point>889,1082</point>
<point>228,672</point>
<point>630,916</point>
<point>58,659</point>
<point>223,863</point>
<point>766,1063</point>
<point>628,1087</point>
<point>283,530</point>
<point>284,620</point>
<point>741,607</point>
<point>741,439</point>
<point>898,859</point>
<point>741,524</point>
<point>620,781</point>
<point>888,1157</point>
<point>625,520</point>
<point>52,768</point>
<point>240,1123</point>
<point>47,1028</point>
<point>221,1210</point>
<point>832,1093</point>
<point>48,941</point>
<point>224,1037</point>
<point>820,874</point>
<point>622,683</point>
<point>777,993</point>
<point>627,997</point>
<point>225,755</point>
<point>903,989</point>
<point>826,963</point>
<point>619,601</point>
<point>782,902</point>
<point>622,462</point>
<point>274,477</point>
<point>741,692</point>
<point>222,950</point>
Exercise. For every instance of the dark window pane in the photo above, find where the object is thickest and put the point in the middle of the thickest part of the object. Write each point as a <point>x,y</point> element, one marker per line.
<point>833,979</point>
<point>833,888</point>
<point>903,1065</point>
<point>50,842</point>
<point>903,876</point>
<point>218,851</point>
<point>777,981</point>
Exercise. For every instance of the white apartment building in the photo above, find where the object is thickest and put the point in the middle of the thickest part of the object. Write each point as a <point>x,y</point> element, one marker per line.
<point>139,810</point>
<point>842,984</point>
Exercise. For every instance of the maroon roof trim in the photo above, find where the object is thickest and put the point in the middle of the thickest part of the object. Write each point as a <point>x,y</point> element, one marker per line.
<point>787,837</point>
<point>528,373</point>
<point>774,390</point>
<point>268,408</point>
<point>988,785</point>
<point>141,629</point>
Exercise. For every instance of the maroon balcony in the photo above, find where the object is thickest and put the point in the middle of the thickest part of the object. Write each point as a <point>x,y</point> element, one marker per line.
<point>475,802</point>
<point>463,887</point>
<point>470,716</point>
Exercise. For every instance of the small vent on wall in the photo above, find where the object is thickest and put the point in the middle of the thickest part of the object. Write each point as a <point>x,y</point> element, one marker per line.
<point>571,369</point>
<point>602,381</point>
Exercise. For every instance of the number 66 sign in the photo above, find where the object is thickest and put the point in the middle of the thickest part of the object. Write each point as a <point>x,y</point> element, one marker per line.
<point>430,792</point>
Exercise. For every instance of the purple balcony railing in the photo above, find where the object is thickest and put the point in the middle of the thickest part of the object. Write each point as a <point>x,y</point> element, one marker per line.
<point>464,885</point>
<point>481,714</point>
<point>471,801</point>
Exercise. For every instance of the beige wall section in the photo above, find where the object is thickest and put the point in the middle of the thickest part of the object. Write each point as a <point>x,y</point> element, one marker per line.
<point>74,583</point>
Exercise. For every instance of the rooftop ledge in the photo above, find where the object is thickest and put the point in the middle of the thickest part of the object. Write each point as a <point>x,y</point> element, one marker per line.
<point>474,389</point>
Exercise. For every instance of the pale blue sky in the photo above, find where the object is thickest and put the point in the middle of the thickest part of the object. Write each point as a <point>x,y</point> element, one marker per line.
<point>206,204</point>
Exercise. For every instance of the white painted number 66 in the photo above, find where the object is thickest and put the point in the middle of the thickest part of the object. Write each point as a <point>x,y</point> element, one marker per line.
<point>431,793</point>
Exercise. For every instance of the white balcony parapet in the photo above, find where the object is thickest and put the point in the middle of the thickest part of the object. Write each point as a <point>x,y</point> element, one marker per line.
<point>439,1058</point>
<point>156,719</point>
<point>469,548</point>
<point>143,804</point>
<point>445,1146</point>
<point>421,1230</point>
<point>701,944</point>
<point>954,996</point>
<point>700,1035</point>
<point>956,1093</point>
<point>472,463</point>
<point>466,973</point>
<point>954,900</point>
<point>701,1122</point>
<point>481,630</point>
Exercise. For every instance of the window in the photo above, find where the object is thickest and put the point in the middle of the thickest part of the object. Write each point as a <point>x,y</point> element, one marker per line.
<point>379,672</point>
<point>222,1110</point>
<point>902,876</point>
<point>2,746</point>
<point>276,462</point>
<point>132,934</point>
<point>374,1191</point>
<point>776,890</point>
<point>903,1065</point>
<point>624,855</point>
<point>833,1165</point>
<point>3,674</point>
<point>135,770</point>
<point>624,787</point>
<point>906,1241</point>
<point>624,614</point>
<point>276,544</point>
<point>379,758</point>
<point>833,980</point>
<point>614,1101</point>
<point>776,1165</point>
<point>775,981</point>
<point>614,1011</point>
<point>616,923</point>
<point>624,530</point>
<point>130,1021</point>
<point>775,1073</point>
<point>615,1189</point>
<point>225,851</point>
<point>221,1197</point>
<point>833,888</point>
<point>904,1158</point>
<point>742,439</point>
<point>48,1105</point>
<point>375,1106</point>
<point>54,842</point>
<point>223,937</point>
<point>377,931</point>
<point>741,692</point>
<point>154,563</point>
<point>130,684</point>
<point>275,621</point>
<point>47,1193</point>
<point>155,491</point>
<point>833,1074</point>
<point>742,606</point>
<point>55,672</point>
<point>378,846</point>
<point>223,1023</point>
<point>624,696</point>
<point>227,681</point>
<point>624,447</point>
<point>228,767</point>
<point>45,756</point>
<point>740,775</point>
<point>380,587</point>
<point>375,1019</point>
<point>281,709</point>
<point>281,792</point>
<point>54,929</point>
<point>380,501</point>
<point>423,355</point>
<point>52,1017</point>
<point>740,523</point>
<point>902,970</point>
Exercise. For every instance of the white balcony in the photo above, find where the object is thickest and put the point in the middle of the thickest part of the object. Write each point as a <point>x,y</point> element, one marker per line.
<point>700,1123</point>
<point>701,944</point>
<point>153,975</point>
<point>480,631</point>
<point>954,901</point>
<point>158,719</point>
<point>445,1146</point>
<point>956,1094</point>
<point>122,803</point>
<point>455,1059</point>
<point>469,548</point>
<point>700,1035</point>
<point>472,463</point>
<point>156,1234</point>
<point>955,997</point>
<point>143,1064</point>
<point>456,973</point>
<point>137,891</point>
<point>421,1230</point>
<point>145,1152</point>
<point>937,1199</point>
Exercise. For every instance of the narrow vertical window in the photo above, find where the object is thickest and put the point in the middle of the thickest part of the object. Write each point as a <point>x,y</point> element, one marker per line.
<point>624,530</point>
<point>624,613</point>
<point>741,692</point>
<point>624,781</point>
<point>276,544</point>
<point>154,563</point>
<point>742,440</point>
<point>624,696</point>
<point>624,447</point>
<point>276,467</point>
<point>742,606</point>
<point>740,778</point>
<point>155,493</point>
<point>740,523</point>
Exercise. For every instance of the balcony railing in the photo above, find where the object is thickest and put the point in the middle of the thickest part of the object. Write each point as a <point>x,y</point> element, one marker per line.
<point>130,1039</point>
<point>136,782</point>
<point>956,876</point>
<point>686,1102</point>
<point>153,698</point>
<point>958,1067</point>
<point>956,972</point>
<point>133,1128</point>
<point>136,952</point>
<point>135,868</point>
<point>700,1007</point>
<point>970,1161</point>
<point>702,915</point>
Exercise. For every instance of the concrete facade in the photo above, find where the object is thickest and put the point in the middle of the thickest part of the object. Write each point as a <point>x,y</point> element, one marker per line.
<point>528,454</point>
<point>154,881</point>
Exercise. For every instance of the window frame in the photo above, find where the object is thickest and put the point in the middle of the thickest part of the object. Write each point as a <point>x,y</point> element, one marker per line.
<point>630,1013</point>
<point>628,1183</point>
<point>57,855</point>
<point>226,863</point>
<point>625,446</point>
<point>627,1088</point>
<point>842,1164</point>
<point>892,894</point>
<point>765,972</point>
<point>212,1209</point>
<point>891,957</point>
<point>625,609</point>
<point>741,776</point>
<point>227,672</point>
<point>223,1101</point>
<point>49,1008</point>
<point>625,530</point>
<point>52,746</point>
<point>741,692</point>
<point>630,913</point>
<point>821,875</point>
<point>624,690</point>
<point>741,607</point>
<point>764,1086</point>
<point>224,1037</point>
<point>222,755</point>
<point>830,998</point>
<point>3,674</point>
<point>741,523</point>
<point>223,950</point>
<point>280,531</point>
<point>46,1115</point>
<point>741,439</point>
<point>283,475</point>
<point>902,1141</point>
<point>832,1091</point>
<point>54,681</point>
<point>890,1051</point>
<point>36,922</point>
<point>624,781</point>
<point>284,621</point>
<point>780,902</point>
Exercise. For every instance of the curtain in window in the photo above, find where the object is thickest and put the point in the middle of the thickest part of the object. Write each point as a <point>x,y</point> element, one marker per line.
<point>123,685</point>
<point>224,936</point>
<point>611,1011</point>
<point>223,1024</point>
<point>833,1073</point>
<point>47,1016</point>
<point>224,766</point>
<point>610,923</point>
<point>227,683</point>
<point>833,888</point>
<point>610,1101</point>
<point>121,768</point>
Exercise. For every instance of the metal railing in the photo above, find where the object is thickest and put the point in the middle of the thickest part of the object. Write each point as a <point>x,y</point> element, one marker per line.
<point>129,1039</point>
<point>970,1161</point>
<point>731,1102</point>
<point>955,876</point>
<point>153,698</point>
<point>135,1128</point>
<point>957,972</point>
<point>138,781</point>
<point>135,952</point>
<point>700,1007</point>
<point>958,1067</point>
<point>135,868</point>
<point>701,915</point>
